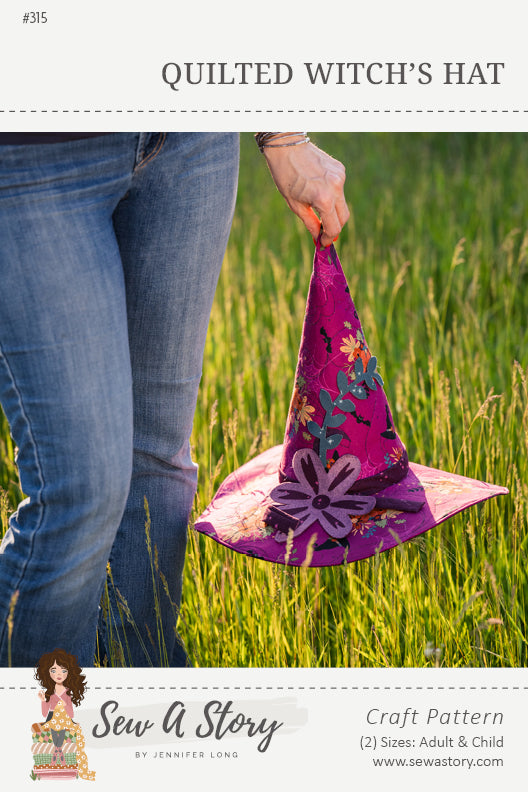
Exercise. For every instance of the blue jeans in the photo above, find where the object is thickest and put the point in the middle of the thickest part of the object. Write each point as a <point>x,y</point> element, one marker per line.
<point>110,250</point>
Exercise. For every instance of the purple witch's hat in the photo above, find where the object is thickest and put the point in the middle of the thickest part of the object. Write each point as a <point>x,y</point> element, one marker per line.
<point>340,488</point>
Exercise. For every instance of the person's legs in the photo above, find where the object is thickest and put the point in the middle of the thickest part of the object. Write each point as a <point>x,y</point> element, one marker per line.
<point>65,386</point>
<point>65,377</point>
<point>172,230</point>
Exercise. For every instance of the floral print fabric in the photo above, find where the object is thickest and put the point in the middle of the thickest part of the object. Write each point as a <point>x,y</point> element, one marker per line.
<point>310,502</point>
<point>338,394</point>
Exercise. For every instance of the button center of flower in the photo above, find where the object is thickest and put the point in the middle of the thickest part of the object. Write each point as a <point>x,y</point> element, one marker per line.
<point>321,502</point>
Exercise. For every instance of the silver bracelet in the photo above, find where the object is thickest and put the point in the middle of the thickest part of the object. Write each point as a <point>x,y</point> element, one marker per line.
<point>285,145</point>
<point>262,138</point>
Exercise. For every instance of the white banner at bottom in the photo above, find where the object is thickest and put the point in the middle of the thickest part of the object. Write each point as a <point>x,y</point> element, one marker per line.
<point>262,729</point>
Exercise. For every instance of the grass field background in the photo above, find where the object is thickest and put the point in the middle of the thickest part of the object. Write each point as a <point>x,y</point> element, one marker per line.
<point>436,256</point>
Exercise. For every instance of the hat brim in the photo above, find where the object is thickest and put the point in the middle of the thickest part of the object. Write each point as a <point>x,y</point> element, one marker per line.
<point>235,516</point>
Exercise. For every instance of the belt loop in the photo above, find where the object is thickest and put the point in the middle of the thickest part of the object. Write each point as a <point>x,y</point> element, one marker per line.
<point>141,146</point>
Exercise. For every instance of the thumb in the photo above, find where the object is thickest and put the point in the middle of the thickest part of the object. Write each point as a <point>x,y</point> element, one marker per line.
<point>309,218</point>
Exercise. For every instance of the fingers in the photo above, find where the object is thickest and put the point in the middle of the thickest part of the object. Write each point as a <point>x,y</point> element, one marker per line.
<point>325,195</point>
<point>343,212</point>
<point>332,223</point>
<point>332,213</point>
<point>326,238</point>
<point>309,218</point>
<point>333,209</point>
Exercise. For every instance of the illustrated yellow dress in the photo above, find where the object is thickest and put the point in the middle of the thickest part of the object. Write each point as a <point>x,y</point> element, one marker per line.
<point>61,722</point>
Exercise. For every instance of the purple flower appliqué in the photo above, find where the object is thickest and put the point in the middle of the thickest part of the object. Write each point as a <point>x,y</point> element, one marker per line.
<point>321,496</point>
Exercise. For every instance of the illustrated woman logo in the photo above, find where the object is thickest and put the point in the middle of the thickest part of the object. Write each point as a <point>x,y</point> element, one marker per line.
<point>58,742</point>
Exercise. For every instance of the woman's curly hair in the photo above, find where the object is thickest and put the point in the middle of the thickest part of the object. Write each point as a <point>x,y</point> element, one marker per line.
<point>75,682</point>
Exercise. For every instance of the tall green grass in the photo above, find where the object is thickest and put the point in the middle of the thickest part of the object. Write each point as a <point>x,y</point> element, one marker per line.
<point>436,255</point>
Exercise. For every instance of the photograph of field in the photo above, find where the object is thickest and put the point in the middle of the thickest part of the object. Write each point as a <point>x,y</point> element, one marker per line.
<point>436,258</point>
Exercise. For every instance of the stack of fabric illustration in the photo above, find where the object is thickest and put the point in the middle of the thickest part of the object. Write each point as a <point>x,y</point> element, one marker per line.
<point>54,754</point>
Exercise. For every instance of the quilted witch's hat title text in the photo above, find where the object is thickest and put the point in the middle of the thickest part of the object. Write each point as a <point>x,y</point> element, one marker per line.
<point>180,75</point>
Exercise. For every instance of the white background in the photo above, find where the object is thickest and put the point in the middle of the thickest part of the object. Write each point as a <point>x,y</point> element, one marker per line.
<point>97,67</point>
<point>324,715</point>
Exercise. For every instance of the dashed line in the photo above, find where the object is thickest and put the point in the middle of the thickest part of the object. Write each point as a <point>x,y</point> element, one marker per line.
<point>289,687</point>
<point>261,111</point>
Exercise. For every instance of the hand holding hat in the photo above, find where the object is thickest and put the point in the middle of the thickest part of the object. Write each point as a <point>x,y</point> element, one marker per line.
<point>309,179</point>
